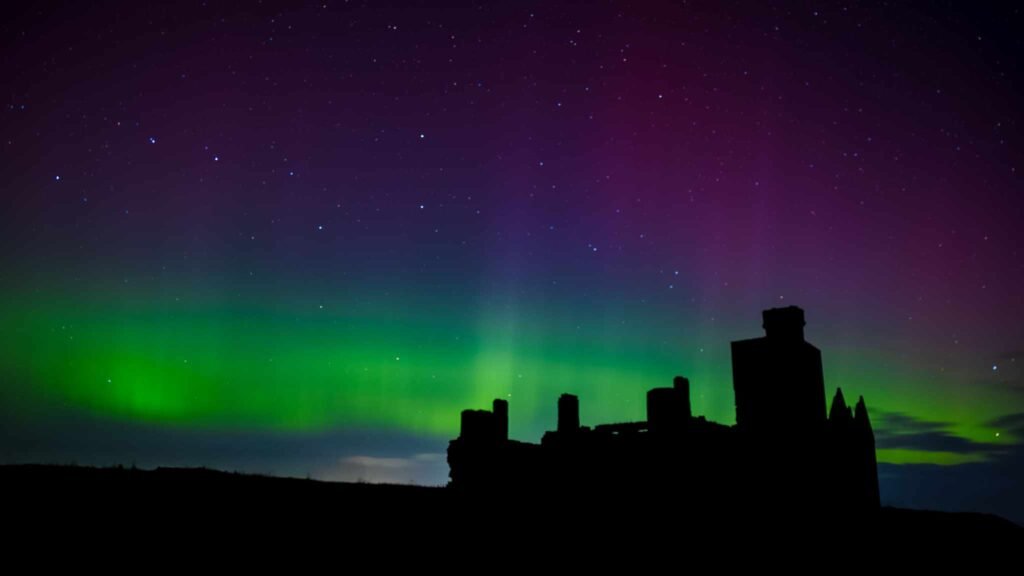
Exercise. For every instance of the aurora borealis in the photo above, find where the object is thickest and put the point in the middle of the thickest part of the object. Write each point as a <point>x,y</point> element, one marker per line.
<point>299,238</point>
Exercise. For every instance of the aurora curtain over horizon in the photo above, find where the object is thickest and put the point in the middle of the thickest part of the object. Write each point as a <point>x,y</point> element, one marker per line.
<point>299,238</point>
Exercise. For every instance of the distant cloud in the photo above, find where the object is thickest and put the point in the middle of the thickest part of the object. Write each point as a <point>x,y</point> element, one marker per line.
<point>903,423</point>
<point>391,470</point>
<point>1012,423</point>
<point>898,430</point>
<point>377,463</point>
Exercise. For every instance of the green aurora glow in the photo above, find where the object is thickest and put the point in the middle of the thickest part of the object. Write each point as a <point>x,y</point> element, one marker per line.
<point>315,369</point>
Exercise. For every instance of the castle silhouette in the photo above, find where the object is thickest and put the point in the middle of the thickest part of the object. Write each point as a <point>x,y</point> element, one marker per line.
<point>784,452</point>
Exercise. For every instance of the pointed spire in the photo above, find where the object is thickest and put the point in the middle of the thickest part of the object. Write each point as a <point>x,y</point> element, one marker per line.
<point>861,414</point>
<point>839,411</point>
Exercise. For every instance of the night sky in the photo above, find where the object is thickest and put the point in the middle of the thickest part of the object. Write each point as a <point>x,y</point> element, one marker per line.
<point>299,238</point>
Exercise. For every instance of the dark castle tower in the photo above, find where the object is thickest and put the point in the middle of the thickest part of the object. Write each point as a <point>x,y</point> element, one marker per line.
<point>500,410</point>
<point>778,380</point>
<point>568,413</point>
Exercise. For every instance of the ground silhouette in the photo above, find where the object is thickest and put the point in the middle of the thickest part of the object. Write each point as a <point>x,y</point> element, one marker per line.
<point>182,510</point>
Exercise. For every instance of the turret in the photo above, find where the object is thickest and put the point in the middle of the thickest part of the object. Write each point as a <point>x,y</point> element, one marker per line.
<point>682,387</point>
<point>568,413</point>
<point>501,419</point>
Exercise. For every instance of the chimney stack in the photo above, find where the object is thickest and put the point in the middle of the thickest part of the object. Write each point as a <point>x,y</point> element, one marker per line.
<point>784,323</point>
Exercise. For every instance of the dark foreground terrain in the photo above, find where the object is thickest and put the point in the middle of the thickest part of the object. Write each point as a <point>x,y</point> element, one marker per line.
<point>200,505</point>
